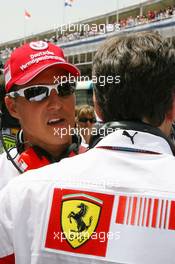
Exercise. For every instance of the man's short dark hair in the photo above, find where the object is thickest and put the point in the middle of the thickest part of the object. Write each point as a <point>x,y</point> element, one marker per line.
<point>146,65</point>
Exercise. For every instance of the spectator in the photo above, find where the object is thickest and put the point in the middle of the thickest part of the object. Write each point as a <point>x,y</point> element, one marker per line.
<point>151,15</point>
<point>170,11</point>
<point>130,21</point>
<point>85,119</point>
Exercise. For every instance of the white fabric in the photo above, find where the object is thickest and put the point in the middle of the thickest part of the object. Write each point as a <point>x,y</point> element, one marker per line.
<point>25,204</point>
<point>7,169</point>
<point>83,142</point>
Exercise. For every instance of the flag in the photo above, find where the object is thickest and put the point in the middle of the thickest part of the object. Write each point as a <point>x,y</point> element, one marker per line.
<point>27,14</point>
<point>68,3</point>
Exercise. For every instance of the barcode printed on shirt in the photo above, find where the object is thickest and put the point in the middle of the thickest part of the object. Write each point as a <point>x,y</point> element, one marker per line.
<point>146,212</point>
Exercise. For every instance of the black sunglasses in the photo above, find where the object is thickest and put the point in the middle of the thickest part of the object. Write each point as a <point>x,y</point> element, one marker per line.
<point>37,93</point>
<point>85,120</point>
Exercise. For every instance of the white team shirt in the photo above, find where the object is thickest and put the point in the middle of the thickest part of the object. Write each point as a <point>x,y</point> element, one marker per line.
<point>7,169</point>
<point>103,206</point>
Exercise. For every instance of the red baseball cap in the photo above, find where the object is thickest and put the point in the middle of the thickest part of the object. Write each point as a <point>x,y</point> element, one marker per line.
<point>32,58</point>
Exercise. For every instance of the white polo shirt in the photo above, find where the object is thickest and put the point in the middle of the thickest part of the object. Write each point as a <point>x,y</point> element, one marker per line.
<point>7,169</point>
<point>104,206</point>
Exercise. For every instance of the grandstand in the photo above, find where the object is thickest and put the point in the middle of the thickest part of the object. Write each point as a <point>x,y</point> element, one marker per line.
<point>81,40</point>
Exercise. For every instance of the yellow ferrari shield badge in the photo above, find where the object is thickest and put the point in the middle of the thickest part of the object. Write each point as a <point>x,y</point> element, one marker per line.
<point>79,218</point>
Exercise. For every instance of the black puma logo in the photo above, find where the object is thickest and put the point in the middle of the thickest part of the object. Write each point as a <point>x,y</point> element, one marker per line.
<point>125,133</point>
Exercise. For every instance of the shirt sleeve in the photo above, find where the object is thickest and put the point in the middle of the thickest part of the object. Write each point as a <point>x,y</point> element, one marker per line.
<point>6,227</point>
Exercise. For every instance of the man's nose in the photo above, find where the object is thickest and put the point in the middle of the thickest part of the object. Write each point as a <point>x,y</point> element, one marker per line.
<point>54,101</point>
<point>89,123</point>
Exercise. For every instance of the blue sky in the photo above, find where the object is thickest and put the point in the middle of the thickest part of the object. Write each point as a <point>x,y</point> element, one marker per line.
<point>46,15</point>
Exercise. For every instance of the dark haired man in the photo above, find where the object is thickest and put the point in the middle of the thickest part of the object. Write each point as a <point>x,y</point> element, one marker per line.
<point>115,203</point>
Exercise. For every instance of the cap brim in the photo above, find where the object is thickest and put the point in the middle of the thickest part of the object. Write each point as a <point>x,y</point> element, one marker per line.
<point>61,65</point>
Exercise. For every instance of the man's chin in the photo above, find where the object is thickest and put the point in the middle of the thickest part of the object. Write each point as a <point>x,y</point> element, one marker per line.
<point>64,140</point>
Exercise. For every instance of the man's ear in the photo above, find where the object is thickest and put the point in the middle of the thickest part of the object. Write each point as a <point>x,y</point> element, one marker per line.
<point>171,114</point>
<point>97,108</point>
<point>11,106</point>
<point>166,126</point>
<point>173,110</point>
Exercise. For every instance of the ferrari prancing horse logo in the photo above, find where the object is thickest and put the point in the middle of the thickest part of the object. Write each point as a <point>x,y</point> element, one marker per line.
<point>79,222</point>
<point>79,219</point>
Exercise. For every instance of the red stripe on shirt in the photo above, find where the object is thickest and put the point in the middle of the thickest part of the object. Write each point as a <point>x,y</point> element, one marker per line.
<point>155,210</point>
<point>8,259</point>
<point>171,224</point>
<point>121,210</point>
<point>134,207</point>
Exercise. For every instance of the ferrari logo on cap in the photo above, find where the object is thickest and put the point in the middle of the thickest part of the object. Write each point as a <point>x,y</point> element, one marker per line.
<point>38,45</point>
<point>79,219</point>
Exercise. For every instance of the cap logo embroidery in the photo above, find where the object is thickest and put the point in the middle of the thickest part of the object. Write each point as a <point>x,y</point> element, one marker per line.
<point>42,58</point>
<point>38,45</point>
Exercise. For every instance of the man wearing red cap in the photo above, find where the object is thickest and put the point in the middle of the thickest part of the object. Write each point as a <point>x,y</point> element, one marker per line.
<point>40,88</point>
